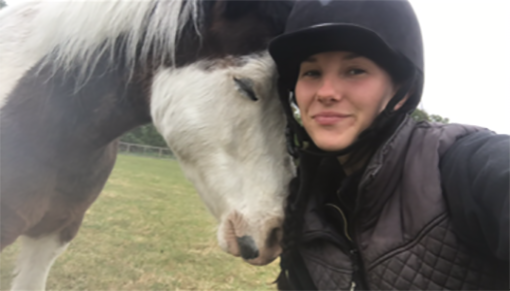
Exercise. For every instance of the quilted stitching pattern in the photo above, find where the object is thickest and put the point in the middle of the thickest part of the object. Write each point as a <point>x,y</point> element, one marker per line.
<point>327,279</point>
<point>436,262</point>
<point>328,266</point>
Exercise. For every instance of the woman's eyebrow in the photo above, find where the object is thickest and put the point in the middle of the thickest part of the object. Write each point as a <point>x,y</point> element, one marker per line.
<point>351,56</point>
<point>311,59</point>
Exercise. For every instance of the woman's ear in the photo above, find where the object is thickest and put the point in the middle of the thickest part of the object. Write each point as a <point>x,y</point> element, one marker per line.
<point>401,102</point>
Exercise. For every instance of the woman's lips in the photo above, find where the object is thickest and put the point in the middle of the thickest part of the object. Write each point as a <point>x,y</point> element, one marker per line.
<point>329,118</point>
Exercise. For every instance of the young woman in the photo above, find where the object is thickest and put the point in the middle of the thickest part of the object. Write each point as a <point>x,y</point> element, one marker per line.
<point>380,201</point>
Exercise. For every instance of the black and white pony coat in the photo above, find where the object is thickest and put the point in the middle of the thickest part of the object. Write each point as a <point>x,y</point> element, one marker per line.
<point>74,76</point>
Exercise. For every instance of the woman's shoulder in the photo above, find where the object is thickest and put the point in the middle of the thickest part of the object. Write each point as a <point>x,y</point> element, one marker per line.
<point>415,136</point>
<point>475,175</point>
<point>456,136</point>
<point>478,149</point>
<point>448,127</point>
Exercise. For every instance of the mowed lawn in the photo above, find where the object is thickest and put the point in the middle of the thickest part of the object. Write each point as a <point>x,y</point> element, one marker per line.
<point>148,230</point>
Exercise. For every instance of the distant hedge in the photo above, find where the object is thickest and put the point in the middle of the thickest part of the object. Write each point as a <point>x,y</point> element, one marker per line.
<point>422,115</point>
<point>146,135</point>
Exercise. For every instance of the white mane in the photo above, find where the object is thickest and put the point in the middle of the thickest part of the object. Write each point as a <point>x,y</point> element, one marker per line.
<point>74,31</point>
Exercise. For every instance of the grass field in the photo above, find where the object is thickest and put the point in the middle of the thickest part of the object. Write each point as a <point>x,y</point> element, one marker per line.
<point>147,231</point>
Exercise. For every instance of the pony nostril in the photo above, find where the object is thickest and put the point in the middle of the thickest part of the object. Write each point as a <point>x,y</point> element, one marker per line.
<point>247,247</point>
<point>274,237</point>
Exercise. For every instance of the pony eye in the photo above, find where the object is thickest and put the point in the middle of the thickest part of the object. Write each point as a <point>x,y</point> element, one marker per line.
<point>245,87</point>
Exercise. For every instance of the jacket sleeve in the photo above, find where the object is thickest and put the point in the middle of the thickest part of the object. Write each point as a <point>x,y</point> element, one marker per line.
<point>475,173</point>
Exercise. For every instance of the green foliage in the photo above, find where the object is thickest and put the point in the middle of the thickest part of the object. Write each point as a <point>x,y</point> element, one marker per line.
<point>146,135</point>
<point>422,115</point>
<point>438,118</point>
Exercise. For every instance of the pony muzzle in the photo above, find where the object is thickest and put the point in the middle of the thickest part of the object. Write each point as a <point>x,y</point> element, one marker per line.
<point>260,246</point>
<point>247,247</point>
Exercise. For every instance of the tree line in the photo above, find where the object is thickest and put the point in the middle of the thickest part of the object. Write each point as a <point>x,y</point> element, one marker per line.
<point>146,135</point>
<point>422,115</point>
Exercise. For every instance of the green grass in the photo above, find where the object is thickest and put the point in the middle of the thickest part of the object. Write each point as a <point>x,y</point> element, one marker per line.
<point>148,230</point>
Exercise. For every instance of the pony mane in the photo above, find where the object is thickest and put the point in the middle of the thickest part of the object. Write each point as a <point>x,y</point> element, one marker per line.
<point>80,32</point>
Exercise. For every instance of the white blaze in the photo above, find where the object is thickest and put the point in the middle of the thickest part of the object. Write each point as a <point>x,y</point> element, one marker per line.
<point>230,147</point>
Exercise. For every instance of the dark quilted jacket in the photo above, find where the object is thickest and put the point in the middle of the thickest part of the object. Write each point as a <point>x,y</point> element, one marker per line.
<point>402,236</point>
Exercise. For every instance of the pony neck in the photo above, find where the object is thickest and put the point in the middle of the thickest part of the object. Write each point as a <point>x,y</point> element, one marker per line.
<point>58,112</point>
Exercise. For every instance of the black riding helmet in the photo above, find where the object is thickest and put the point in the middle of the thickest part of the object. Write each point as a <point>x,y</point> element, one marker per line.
<point>385,31</point>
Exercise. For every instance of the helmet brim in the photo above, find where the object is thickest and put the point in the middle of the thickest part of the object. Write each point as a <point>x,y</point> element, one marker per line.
<point>290,49</point>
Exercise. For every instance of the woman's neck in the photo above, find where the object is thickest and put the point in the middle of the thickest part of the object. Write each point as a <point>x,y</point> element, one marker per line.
<point>351,167</point>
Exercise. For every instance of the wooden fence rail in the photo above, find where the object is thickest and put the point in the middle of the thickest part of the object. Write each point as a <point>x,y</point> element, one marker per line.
<point>145,150</point>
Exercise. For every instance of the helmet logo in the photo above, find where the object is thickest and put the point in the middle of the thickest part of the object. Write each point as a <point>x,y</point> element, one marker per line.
<point>325,2</point>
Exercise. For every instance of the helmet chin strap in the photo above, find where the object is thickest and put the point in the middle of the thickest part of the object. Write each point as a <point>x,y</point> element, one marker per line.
<point>381,128</point>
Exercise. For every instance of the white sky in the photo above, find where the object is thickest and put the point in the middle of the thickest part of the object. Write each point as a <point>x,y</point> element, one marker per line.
<point>467,60</point>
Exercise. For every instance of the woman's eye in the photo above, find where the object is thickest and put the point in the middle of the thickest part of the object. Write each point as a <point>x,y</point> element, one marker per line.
<point>355,72</point>
<point>311,73</point>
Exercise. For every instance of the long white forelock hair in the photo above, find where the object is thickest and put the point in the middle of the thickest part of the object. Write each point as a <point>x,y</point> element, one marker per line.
<point>78,32</point>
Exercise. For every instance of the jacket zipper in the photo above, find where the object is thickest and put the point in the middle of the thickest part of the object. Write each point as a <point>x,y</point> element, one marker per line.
<point>346,228</point>
<point>353,252</point>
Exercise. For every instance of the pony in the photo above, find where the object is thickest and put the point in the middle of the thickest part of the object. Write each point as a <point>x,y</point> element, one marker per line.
<point>76,75</point>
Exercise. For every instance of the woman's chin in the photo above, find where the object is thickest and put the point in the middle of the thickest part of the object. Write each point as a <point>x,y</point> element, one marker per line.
<point>332,145</point>
<point>332,140</point>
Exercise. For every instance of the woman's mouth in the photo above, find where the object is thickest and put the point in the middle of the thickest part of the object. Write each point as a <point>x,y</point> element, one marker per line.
<point>329,118</point>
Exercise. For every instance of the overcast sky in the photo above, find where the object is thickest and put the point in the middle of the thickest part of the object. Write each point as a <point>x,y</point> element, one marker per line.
<point>467,60</point>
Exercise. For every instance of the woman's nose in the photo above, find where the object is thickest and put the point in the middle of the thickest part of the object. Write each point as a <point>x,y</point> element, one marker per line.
<point>328,91</point>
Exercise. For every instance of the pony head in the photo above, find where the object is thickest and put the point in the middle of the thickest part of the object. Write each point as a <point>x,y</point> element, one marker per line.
<point>221,117</point>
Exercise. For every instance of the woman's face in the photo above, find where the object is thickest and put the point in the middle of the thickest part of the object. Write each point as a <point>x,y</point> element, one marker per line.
<point>339,95</point>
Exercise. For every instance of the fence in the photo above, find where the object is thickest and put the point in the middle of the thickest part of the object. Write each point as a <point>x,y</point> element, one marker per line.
<point>144,150</point>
